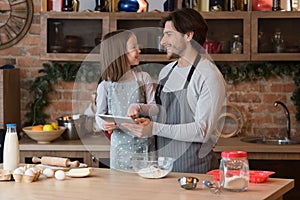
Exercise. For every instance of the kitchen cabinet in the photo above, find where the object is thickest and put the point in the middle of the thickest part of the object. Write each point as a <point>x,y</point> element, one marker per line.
<point>264,25</point>
<point>221,28</point>
<point>10,104</point>
<point>88,25</point>
<point>256,29</point>
<point>84,26</point>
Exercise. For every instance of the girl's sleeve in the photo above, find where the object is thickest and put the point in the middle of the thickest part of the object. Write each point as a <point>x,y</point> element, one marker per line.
<point>101,102</point>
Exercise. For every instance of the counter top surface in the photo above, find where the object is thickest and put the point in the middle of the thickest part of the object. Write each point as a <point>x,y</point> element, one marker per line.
<point>259,151</point>
<point>101,143</point>
<point>110,184</point>
<point>225,144</point>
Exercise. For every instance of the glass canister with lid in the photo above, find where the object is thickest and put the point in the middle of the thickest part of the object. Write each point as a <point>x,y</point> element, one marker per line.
<point>234,171</point>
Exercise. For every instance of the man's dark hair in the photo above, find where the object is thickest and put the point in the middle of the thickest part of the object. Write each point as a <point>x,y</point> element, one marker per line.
<point>187,20</point>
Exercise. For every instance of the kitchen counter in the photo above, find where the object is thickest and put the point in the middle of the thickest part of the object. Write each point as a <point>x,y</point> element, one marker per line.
<point>110,184</point>
<point>100,144</point>
<point>259,151</point>
<point>93,143</point>
<point>88,150</point>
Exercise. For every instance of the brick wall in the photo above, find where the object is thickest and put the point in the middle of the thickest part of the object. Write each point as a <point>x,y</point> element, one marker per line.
<point>255,99</point>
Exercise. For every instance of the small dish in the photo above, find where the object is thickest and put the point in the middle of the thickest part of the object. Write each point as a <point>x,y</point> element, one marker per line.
<point>256,176</point>
<point>259,176</point>
<point>79,172</point>
<point>5,175</point>
<point>188,183</point>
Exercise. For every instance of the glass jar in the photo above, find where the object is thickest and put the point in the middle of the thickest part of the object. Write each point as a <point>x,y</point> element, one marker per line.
<point>278,42</point>
<point>236,45</point>
<point>56,37</point>
<point>234,171</point>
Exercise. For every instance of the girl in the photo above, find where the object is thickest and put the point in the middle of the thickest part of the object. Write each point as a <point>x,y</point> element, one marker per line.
<point>123,91</point>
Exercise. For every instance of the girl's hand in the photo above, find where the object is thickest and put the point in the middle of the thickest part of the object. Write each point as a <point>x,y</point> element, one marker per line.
<point>142,128</point>
<point>109,126</point>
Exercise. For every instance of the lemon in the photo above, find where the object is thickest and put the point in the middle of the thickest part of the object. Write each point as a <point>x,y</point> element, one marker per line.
<point>54,125</point>
<point>48,127</point>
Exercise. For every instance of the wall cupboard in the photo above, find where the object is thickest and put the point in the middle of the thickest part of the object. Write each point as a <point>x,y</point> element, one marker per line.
<point>256,28</point>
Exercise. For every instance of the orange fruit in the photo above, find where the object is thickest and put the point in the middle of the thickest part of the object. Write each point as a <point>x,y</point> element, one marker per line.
<point>37,128</point>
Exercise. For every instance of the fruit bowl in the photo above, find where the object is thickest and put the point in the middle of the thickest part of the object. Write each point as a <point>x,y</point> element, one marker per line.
<point>147,167</point>
<point>44,137</point>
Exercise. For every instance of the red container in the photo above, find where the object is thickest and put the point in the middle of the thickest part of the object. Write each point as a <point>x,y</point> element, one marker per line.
<point>256,176</point>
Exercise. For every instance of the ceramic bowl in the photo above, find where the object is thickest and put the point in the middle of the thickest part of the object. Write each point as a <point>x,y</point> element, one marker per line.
<point>147,167</point>
<point>44,137</point>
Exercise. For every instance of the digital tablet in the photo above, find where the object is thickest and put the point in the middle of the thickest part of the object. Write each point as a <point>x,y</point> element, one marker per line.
<point>117,119</point>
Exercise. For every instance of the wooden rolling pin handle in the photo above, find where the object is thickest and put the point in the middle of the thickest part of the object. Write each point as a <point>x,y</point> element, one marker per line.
<point>36,159</point>
<point>73,164</point>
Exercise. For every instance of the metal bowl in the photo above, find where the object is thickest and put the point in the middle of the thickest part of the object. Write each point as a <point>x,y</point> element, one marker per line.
<point>75,126</point>
<point>188,183</point>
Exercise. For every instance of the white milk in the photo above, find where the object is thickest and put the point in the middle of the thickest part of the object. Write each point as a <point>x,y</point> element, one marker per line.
<point>11,151</point>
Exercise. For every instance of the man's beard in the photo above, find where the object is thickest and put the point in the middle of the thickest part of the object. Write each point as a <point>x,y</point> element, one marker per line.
<point>173,56</point>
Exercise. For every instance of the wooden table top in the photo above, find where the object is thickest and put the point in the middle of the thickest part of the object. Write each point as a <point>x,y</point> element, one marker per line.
<point>109,184</point>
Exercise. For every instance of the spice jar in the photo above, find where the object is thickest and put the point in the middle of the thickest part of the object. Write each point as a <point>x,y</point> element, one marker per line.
<point>234,171</point>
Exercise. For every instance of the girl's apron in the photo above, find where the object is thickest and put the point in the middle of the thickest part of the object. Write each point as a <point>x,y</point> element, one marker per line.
<point>123,143</point>
<point>177,111</point>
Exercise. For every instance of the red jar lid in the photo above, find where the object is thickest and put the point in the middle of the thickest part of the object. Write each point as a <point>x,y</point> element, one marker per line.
<point>234,154</point>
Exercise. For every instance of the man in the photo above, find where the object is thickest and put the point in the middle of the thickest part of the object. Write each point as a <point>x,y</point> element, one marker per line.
<point>191,92</point>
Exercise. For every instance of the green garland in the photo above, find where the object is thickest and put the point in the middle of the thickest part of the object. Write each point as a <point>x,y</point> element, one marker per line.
<point>233,72</point>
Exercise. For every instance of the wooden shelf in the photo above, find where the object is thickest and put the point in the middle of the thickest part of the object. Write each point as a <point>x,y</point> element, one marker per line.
<point>222,26</point>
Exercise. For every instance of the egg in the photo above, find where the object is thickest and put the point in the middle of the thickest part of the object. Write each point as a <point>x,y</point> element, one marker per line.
<point>48,172</point>
<point>29,172</point>
<point>60,175</point>
<point>19,170</point>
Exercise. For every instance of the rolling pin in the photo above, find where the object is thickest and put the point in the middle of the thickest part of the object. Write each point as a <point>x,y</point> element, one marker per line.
<point>56,161</point>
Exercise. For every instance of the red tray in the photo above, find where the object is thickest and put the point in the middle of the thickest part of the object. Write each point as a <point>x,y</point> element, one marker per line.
<point>256,176</point>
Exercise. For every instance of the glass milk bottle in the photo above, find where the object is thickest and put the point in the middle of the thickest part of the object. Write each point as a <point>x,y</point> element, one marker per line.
<point>234,171</point>
<point>11,151</point>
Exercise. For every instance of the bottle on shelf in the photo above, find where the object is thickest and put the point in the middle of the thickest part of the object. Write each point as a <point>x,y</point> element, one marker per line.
<point>101,5</point>
<point>67,6</point>
<point>276,5</point>
<point>237,45</point>
<point>11,150</point>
